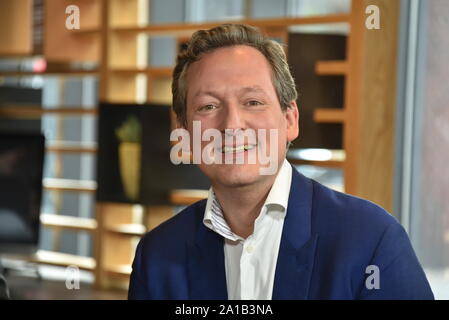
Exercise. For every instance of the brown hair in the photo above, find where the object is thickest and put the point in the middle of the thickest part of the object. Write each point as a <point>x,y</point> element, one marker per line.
<point>226,35</point>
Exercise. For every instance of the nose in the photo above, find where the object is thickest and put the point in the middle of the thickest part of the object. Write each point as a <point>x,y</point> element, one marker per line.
<point>233,118</point>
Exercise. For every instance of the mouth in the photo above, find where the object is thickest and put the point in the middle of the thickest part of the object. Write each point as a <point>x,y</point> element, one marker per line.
<point>237,149</point>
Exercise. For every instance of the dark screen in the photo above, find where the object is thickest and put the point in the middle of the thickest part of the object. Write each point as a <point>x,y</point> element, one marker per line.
<point>21,165</point>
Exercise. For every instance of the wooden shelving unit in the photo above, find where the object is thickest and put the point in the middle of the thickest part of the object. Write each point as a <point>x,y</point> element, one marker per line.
<point>61,47</point>
<point>113,35</point>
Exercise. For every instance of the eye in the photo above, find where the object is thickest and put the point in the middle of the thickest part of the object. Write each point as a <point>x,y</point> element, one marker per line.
<point>253,103</point>
<point>207,107</point>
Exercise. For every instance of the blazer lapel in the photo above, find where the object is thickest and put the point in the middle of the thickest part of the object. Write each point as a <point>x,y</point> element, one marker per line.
<point>297,249</point>
<point>206,266</point>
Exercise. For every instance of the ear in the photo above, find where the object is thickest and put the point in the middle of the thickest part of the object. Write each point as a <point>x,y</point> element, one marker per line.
<point>292,117</point>
<point>179,124</point>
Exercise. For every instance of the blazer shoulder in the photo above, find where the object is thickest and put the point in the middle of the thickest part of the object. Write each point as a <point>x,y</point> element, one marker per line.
<point>181,226</point>
<point>341,210</point>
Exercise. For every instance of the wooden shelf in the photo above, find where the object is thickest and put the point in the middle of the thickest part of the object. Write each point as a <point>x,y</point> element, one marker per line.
<point>58,259</point>
<point>120,270</point>
<point>88,30</point>
<point>331,68</point>
<point>128,229</point>
<point>182,197</point>
<point>329,115</point>
<point>62,73</point>
<point>327,163</point>
<point>181,28</point>
<point>337,159</point>
<point>155,72</point>
<point>71,147</point>
<point>68,222</point>
<point>37,111</point>
<point>69,185</point>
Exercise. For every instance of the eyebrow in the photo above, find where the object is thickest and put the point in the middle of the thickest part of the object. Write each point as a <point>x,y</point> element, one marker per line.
<point>255,89</point>
<point>243,90</point>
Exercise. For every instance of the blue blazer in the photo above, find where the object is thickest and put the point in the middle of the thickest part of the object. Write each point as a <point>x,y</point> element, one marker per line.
<point>328,241</point>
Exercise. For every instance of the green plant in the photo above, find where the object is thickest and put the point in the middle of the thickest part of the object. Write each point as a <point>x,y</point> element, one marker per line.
<point>130,130</point>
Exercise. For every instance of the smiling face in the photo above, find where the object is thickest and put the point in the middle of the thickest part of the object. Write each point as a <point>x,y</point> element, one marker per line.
<point>231,89</point>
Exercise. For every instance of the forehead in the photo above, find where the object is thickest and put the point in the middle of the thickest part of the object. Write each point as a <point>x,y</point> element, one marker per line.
<point>229,67</point>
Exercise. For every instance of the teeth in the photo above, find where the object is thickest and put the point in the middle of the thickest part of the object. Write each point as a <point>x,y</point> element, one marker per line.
<point>249,147</point>
<point>237,149</point>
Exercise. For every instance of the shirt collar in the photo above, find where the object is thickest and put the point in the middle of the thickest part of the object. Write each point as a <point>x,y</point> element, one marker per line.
<point>278,196</point>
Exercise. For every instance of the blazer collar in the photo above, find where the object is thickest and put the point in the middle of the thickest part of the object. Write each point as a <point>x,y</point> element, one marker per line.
<point>297,250</point>
<point>206,265</point>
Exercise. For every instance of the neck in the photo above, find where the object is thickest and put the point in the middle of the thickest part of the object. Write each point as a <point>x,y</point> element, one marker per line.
<point>242,205</point>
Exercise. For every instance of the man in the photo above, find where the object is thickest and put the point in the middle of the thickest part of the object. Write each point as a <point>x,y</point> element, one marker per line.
<point>264,236</point>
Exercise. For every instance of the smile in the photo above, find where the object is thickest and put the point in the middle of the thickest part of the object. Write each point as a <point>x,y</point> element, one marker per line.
<point>241,148</point>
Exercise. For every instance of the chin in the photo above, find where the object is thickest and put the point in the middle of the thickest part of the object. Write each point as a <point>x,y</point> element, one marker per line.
<point>232,175</point>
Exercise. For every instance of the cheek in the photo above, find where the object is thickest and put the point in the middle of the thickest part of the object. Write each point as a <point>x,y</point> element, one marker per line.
<point>277,123</point>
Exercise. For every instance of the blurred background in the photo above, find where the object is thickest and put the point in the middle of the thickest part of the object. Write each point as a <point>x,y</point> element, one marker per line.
<point>85,121</point>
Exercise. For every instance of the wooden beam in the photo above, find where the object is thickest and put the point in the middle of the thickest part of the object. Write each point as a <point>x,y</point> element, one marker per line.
<point>353,94</point>
<point>376,133</point>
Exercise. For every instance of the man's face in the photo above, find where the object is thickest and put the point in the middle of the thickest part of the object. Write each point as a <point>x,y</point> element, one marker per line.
<point>231,88</point>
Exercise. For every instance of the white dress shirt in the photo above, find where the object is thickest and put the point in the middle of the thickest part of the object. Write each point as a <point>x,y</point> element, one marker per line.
<point>250,263</point>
